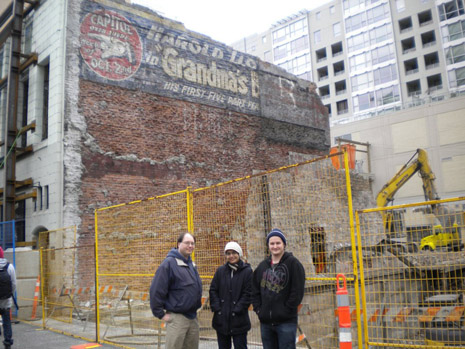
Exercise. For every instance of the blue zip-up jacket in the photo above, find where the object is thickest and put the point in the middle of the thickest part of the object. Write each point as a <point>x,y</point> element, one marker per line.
<point>176,287</point>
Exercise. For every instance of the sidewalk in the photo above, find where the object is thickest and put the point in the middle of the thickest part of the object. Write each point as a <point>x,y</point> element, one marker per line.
<point>26,336</point>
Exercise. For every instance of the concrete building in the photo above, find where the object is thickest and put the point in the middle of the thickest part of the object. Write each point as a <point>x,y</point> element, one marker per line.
<point>377,64</point>
<point>116,103</point>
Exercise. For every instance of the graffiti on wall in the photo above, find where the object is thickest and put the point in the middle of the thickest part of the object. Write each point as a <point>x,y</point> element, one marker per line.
<point>134,52</point>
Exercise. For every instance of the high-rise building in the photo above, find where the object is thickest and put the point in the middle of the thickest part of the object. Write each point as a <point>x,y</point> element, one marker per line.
<point>378,64</point>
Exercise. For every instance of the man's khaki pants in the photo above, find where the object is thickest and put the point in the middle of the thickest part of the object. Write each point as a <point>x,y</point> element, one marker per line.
<point>182,333</point>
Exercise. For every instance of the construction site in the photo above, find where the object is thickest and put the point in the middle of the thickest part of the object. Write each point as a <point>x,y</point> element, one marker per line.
<point>122,129</point>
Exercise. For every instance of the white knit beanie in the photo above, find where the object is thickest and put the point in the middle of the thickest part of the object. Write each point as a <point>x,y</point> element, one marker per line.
<point>234,246</point>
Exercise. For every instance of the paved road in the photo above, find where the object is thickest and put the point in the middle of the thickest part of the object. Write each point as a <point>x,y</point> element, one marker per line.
<point>26,336</point>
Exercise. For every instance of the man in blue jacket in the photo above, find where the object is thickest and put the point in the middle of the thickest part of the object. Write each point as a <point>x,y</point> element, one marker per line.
<point>176,293</point>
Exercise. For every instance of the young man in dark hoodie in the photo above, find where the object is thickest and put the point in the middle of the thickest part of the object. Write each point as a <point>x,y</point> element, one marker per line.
<point>277,290</point>
<point>175,295</point>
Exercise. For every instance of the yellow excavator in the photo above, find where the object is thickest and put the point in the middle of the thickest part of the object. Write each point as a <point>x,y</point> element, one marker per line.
<point>445,234</point>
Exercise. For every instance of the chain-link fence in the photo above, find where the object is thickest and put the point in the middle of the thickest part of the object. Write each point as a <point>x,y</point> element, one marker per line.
<point>309,201</point>
<point>413,279</point>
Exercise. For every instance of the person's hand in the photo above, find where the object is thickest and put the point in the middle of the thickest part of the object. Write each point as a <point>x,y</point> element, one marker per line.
<point>166,317</point>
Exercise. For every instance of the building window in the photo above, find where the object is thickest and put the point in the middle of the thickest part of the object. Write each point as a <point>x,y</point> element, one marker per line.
<point>408,45</point>
<point>455,54</point>
<point>382,54</point>
<point>332,9</point>
<point>342,107</point>
<point>387,95</point>
<point>340,87</point>
<point>281,52</point>
<point>318,15</point>
<point>264,39</point>
<point>47,197</point>
<point>360,61</point>
<point>400,5</point>
<point>338,68</point>
<point>320,55</point>
<point>27,38</point>
<point>431,60</point>
<point>385,74</point>
<point>317,36</point>
<point>46,72</point>
<point>280,34</point>
<point>454,31</point>
<point>322,73</point>
<point>336,49</point>
<point>413,88</point>
<point>411,66</point>
<point>298,28</point>
<point>428,38</point>
<point>450,9</point>
<point>337,29</point>
<point>267,56</point>
<point>434,83</point>
<point>358,42</point>
<point>405,24</point>
<point>362,81</point>
<point>299,44</point>
<point>380,34</point>
<point>457,77</point>
<point>425,17</point>
<point>324,91</point>
<point>364,101</point>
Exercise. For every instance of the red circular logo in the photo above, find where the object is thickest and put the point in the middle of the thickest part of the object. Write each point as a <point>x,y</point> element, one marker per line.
<point>110,45</point>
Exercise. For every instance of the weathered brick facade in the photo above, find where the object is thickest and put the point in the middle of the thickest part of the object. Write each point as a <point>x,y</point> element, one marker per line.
<point>159,130</point>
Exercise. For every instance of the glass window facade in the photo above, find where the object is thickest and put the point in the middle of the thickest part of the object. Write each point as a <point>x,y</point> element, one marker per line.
<point>457,77</point>
<point>455,54</point>
<point>450,9</point>
<point>453,31</point>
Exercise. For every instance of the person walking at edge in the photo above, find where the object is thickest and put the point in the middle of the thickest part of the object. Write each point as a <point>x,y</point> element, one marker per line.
<point>7,303</point>
<point>230,293</point>
<point>277,290</point>
<point>176,293</point>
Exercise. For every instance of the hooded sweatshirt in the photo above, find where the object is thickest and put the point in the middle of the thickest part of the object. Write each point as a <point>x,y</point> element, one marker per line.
<point>8,303</point>
<point>176,287</point>
<point>277,290</point>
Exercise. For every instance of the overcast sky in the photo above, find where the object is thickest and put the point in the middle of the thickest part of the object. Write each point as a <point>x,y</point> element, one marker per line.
<point>229,21</point>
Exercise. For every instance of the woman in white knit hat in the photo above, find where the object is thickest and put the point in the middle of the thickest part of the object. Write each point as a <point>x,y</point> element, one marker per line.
<point>230,293</point>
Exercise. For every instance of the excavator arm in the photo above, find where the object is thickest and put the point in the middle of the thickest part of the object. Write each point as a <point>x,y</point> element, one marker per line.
<point>386,194</point>
<point>421,164</point>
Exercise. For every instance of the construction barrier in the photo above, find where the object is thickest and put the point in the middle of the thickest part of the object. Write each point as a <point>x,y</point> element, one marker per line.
<point>310,201</point>
<point>412,280</point>
<point>343,308</point>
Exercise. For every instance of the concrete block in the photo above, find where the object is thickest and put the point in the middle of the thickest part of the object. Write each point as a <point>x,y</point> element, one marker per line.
<point>25,289</point>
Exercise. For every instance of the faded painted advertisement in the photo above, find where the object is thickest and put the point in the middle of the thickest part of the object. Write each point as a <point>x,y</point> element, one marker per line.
<point>158,56</point>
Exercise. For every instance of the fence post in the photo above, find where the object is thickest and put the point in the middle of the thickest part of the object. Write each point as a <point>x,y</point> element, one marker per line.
<point>343,312</point>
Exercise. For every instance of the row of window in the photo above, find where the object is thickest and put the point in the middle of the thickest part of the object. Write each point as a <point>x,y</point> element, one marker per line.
<point>297,64</point>
<point>369,38</point>
<point>457,77</point>
<point>376,98</point>
<point>406,24</point>
<point>455,54</point>
<point>450,9</point>
<point>431,61</point>
<point>336,50</point>
<point>427,39</point>
<point>374,78</point>
<point>355,5</point>
<point>453,31</point>
<point>367,17</point>
<point>291,48</point>
<point>373,57</point>
<point>294,29</point>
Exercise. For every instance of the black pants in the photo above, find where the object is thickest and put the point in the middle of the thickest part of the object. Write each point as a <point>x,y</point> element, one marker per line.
<point>239,340</point>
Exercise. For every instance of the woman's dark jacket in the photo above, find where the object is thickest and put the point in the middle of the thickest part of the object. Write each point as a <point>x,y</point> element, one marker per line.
<point>278,290</point>
<point>230,299</point>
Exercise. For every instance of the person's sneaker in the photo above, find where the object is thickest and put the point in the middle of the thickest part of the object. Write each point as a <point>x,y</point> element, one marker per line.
<point>7,346</point>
